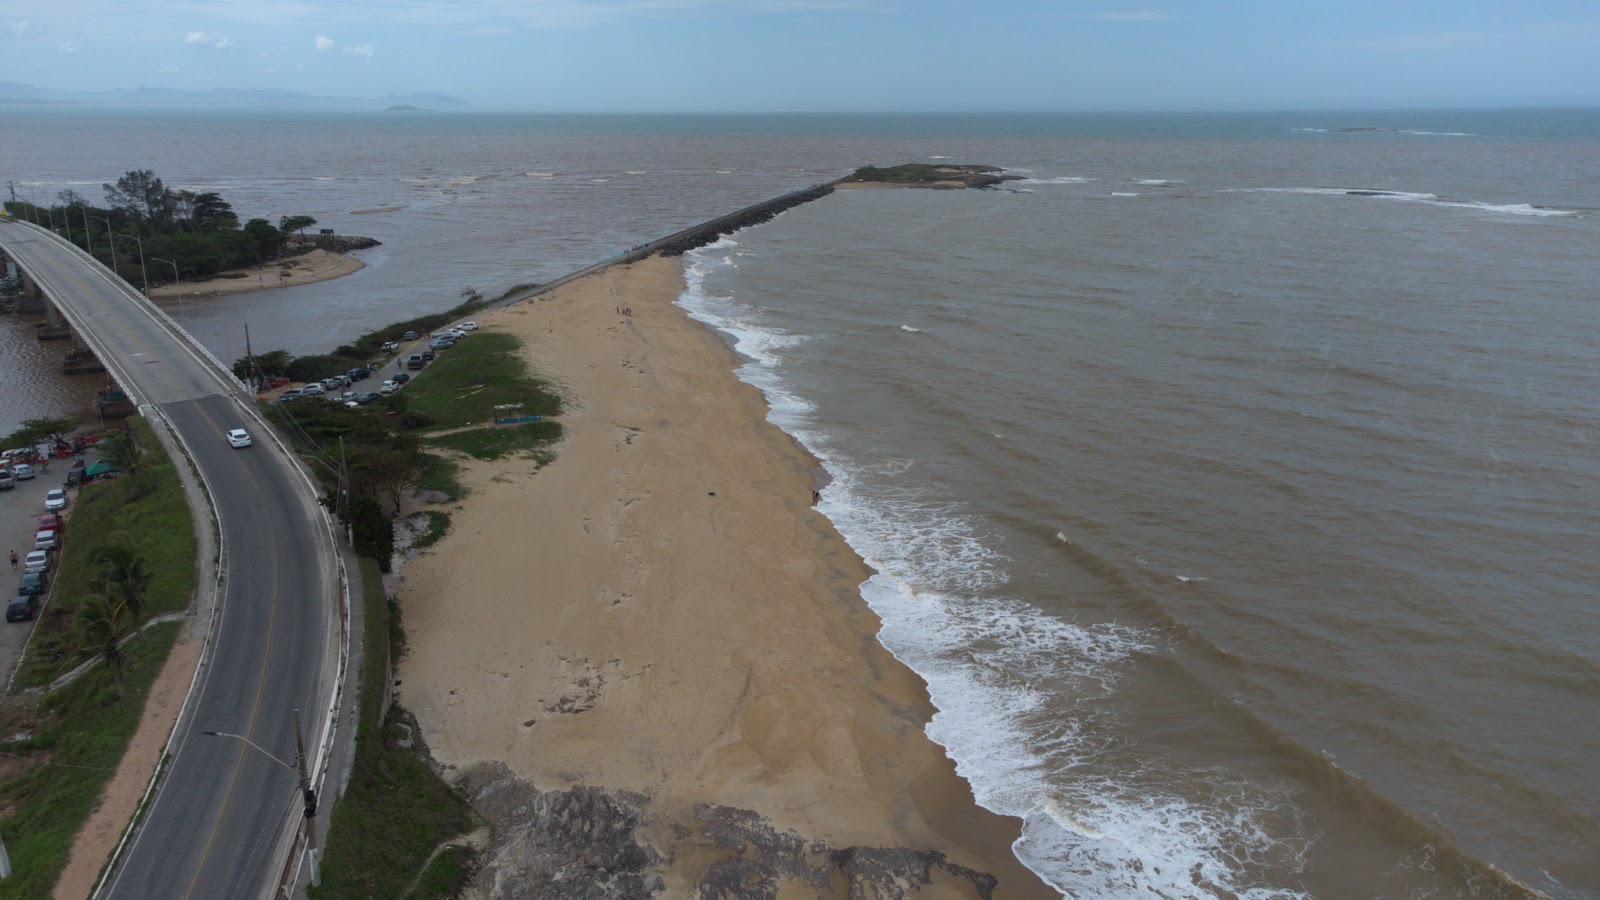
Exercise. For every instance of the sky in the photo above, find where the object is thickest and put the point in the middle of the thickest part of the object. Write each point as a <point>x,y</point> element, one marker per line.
<point>827,55</point>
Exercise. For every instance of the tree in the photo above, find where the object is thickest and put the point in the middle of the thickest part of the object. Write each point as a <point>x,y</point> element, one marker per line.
<point>124,575</point>
<point>299,224</point>
<point>263,238</point>
<point>103,627</point>
<point>372,530</point>
<point>271,364</point>
<point>141,194</point>
<point>208,212</point>
<point>121,451</point>
<point>386,472</point>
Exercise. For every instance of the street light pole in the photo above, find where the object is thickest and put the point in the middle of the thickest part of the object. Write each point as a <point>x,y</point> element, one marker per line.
<point>143,275</point>
<point>308,795</point>
<point>175,280</point>
<point>110,239</point>
<point>88,235</point>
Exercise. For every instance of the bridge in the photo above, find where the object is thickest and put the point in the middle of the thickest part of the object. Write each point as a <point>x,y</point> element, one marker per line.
<point>223,817</point>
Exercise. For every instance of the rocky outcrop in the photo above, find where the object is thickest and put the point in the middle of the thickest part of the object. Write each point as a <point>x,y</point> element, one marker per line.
<point>588,842</point>
<point>708,233</point>
<point>334,243</point>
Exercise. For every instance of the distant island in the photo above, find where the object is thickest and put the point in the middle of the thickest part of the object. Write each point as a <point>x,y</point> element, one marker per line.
<point>924,175</point>
<point>406,107</point>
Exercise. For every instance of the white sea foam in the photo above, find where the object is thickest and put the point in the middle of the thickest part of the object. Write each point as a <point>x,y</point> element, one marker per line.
<point>1123,194</point>
<point>1154,182</point>
<point>998,669</point>
<point>540,174</point>
<point>1438,133</point>
<point>1059,179</point>
<point>910,329</point>
<point>637,172</point>
<point>1516,209</point>
<point>939,157</point>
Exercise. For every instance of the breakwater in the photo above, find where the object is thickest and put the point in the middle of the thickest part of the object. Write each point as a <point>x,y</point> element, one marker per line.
<point>708,232</point>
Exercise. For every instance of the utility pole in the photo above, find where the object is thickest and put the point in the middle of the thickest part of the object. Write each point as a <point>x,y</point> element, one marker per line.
<point>250,362</point>
<point>310,797</point>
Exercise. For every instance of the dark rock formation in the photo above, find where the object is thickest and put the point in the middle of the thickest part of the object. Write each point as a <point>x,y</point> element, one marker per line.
<point>708,233</point>
<point>587,842</point>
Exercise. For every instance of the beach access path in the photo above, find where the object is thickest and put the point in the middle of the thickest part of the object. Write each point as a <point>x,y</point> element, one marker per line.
<point>662,611</point>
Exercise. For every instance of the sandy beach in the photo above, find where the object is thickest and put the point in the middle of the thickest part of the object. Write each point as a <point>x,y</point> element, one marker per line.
<point>662,612</point>
<point>307,268</point>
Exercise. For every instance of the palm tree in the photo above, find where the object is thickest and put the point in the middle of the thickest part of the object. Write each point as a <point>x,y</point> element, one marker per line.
<point>121,451</point>
<point>124,575</point>
<point>103,629</point>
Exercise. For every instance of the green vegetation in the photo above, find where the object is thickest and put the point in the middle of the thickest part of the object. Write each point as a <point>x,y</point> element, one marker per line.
<point>465,384</point>
<point>360,352</point>
<point>198,232</point>
<point>922,173</point>
<point>447,875</point>
<point>61,752</point>
<point>396,811</point>
<point>37,431</point>
<point>438,527</point>
<point>495,442</point>
<point>126,548</point>
<point>151,520</point>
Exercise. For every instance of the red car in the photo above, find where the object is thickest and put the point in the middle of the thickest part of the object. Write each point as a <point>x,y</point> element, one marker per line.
<point>52,522</point>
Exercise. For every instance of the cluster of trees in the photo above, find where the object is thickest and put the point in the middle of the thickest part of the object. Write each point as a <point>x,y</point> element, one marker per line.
<point>197,231</point>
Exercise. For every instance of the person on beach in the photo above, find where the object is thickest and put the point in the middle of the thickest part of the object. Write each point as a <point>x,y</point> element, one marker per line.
<point>13,560</point>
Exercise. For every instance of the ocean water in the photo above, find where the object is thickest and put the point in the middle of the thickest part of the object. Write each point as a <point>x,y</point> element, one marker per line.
<point>1230,479</point>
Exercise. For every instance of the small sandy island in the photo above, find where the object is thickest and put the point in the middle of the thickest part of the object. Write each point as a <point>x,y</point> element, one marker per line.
<point>649,664</point>
<point>307,268</point>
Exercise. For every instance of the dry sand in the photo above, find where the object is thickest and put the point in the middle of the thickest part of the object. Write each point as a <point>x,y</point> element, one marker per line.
<point>661,611</point>
<point>307,268</point>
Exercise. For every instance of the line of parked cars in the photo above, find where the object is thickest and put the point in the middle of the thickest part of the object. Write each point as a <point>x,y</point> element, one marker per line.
<point>51,529</point>
<point>335,386</point>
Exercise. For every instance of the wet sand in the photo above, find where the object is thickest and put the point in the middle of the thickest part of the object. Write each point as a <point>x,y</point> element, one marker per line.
<point>662,611</point>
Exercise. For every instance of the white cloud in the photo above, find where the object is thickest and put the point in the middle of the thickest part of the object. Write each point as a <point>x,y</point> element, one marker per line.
<point>66,48</point>
<point>362,50</point>
<point>169,70</point>
<point>219,41</point>
<point>1142,16</point>
<point>323,42</point>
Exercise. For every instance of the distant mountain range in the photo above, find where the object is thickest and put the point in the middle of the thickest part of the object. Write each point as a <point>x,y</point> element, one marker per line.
<point>14,93</point>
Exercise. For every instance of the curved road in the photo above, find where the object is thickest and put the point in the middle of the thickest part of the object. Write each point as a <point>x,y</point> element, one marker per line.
<point>222,818</point>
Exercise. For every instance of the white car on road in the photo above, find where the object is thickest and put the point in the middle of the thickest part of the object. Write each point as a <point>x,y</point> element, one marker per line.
<point>238,437</point>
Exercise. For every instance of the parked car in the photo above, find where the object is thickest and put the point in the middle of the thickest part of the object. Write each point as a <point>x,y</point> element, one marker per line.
<point>409,336</point>
<point>36,561</point>
<point>416,361</point>
<point>292,394</point>
<point>468,326</point>
<point>390,345</point>
<point>402,377</point>
<point>55,499</point>
<point>313,390</point>
<point>33,583</point>
<point>336,383</point>
<point>46,540</point>
<point>21,471</point>
<point>442,343</point>
<point>52,521</point>
<point>238,437</point>
<point>357,374</point>
<point>387,388</point>
<point>21,609</point>
<point>6,481</point>
<point>428,355</point>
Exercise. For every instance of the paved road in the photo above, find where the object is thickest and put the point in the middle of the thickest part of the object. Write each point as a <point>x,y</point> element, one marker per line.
<point>218,821</point>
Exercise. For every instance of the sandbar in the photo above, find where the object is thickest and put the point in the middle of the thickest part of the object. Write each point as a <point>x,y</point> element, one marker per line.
<point>307,268</point>
<point>662,611</point>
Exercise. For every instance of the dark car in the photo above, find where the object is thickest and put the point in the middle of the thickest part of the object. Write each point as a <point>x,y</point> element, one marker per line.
<point>21,609</point>
<point>358,373</point>
<point>409,336</point>
<point>33,584</point>
<point>401,378</point>
<point>428,355</point>
<point>416,361</point>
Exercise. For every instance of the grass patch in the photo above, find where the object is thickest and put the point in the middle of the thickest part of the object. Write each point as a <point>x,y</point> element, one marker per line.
<point>396,810</point>
<point>76,738</point>
<point>438,527</point>
<point>447,875</point>
<point>442,475</point>
<point>157,525</point>
<point>465,384</point>
<point>498,441</point>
